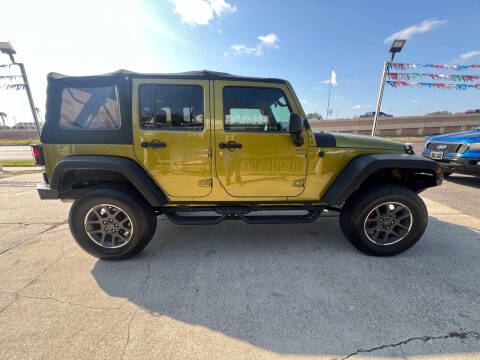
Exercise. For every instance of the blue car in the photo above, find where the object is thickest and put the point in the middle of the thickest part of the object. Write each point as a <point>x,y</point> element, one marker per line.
<point>455,153</point>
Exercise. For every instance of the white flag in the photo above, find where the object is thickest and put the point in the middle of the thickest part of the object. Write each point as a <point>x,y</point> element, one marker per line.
<point>333,80</point>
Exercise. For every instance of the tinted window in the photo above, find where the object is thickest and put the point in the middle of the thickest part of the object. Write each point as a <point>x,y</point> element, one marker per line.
<point>171,107</point>
<point>255,109</point>
<point>90,108</point>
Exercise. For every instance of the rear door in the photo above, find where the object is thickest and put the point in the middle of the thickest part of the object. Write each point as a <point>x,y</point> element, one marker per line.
<point>171,126</point>
<point>254,152</point>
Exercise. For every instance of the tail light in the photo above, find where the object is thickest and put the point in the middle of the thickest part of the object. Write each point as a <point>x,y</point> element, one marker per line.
<point>37,154</point>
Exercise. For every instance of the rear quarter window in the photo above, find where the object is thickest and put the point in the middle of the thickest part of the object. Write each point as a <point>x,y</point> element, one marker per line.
<point>90,108</point>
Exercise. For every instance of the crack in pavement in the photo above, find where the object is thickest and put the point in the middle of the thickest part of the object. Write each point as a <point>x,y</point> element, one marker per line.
<point>14,301</point>
<point>128,335</point>
<point>52,227</point>
<point>45,269</point>
<point>425,339</point>
<point>29,223</point>
<point>51,298</point>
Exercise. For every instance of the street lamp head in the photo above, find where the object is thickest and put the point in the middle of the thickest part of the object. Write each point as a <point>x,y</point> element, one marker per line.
<point>397,46</point>
<point>6,48</point>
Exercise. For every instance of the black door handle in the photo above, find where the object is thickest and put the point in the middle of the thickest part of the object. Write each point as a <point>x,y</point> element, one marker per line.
<point>230,145</point>
<point>153,144</point>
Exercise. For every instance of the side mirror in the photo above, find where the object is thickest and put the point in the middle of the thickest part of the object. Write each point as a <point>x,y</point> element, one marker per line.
<point>295,127</point>
<point>296,124</point>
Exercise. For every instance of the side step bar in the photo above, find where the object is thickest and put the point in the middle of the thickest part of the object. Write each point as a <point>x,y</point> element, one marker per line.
<point>241,213</point>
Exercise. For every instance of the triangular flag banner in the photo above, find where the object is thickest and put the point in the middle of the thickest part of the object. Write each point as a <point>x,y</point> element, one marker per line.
<point>410,76</point>
<point>396,84</point>
<point>13,86</point>
<point>400,66</point>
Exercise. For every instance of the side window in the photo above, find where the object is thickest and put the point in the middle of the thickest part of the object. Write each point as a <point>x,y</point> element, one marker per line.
<point>171,107</point>
<point>90,108</point>
<point>255,109</point>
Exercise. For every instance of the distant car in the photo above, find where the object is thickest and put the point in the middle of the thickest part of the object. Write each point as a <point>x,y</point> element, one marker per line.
<point>372,114</point>
<point>457,152</point>
<point>24,125</point>
<point>474,111</point>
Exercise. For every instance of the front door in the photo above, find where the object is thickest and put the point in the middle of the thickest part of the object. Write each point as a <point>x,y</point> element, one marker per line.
<point>255,154</point>
<point>171,122</point>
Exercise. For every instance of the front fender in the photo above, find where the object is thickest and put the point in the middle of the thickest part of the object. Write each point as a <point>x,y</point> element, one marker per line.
<point>361,167</point>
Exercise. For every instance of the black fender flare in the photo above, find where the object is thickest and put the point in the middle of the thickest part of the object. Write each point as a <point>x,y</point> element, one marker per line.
<point>130,169</point>
<point>361,167</point>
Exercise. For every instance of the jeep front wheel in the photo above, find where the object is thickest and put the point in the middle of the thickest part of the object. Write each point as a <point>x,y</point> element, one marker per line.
<point>112,223</point>
<point>385,220</point>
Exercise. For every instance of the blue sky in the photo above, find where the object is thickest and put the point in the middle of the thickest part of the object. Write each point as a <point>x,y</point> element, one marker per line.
<point>300,41</point>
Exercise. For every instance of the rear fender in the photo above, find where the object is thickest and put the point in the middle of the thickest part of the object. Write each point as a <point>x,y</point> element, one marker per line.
<point>128,168</point>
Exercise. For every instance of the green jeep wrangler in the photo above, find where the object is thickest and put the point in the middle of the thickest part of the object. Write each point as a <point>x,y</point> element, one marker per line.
<point>203,147</point>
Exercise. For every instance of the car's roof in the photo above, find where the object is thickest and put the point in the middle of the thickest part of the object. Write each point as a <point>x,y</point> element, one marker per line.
<point>202,74</point>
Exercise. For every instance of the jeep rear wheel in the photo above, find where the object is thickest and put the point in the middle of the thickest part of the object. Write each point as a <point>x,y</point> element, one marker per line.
<point>112,222</point>
<point>384,220</point>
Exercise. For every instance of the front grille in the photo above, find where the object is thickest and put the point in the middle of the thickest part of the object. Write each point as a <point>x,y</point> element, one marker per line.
<point>445,147</point>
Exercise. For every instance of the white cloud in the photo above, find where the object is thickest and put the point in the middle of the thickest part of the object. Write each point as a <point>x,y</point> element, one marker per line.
<point>355,107</point>
<point>421,28</point>
<point>303,101</point>
<point>415,101</point>
<point>200,12</point>
<point>470,54</point>
<point>329,81</point>
<point>269,40</point>
<point>238,49</point>
<point>319,87</point>
<point>467,56</point>
<point>266,41</point>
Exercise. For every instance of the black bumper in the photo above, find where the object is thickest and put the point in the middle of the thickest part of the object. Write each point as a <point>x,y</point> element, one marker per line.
<point>46,192</point>
<point>460,165</point>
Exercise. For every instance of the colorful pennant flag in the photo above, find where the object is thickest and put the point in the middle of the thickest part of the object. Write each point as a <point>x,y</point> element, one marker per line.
<point>409,76</point>
<point>400,66</point>
<point>10,77</point>
<point>396,84</point>
<point>13,86</point>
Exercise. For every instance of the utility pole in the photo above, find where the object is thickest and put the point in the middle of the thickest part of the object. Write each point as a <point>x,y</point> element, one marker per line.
<point>396,47</point>
<point>328,102</point>
<point>6,48</point>
<point>380,96</point>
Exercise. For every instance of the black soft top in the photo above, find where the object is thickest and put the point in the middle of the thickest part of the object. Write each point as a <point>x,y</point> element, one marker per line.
<point>202,75</point>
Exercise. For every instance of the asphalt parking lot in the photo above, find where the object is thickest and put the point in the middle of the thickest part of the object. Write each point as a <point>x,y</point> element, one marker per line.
<point>237,291</point>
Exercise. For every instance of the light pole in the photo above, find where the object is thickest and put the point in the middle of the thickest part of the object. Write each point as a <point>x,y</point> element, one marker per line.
<point>396,47</point>
<point>6,48</point>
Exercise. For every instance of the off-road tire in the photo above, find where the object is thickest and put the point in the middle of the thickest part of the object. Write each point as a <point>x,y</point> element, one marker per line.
<point>353,218</point>
<point>143,221</point>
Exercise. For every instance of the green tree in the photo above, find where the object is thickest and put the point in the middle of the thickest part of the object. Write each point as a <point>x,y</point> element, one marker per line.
<point>314,115</point>
<point>440,113</point>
